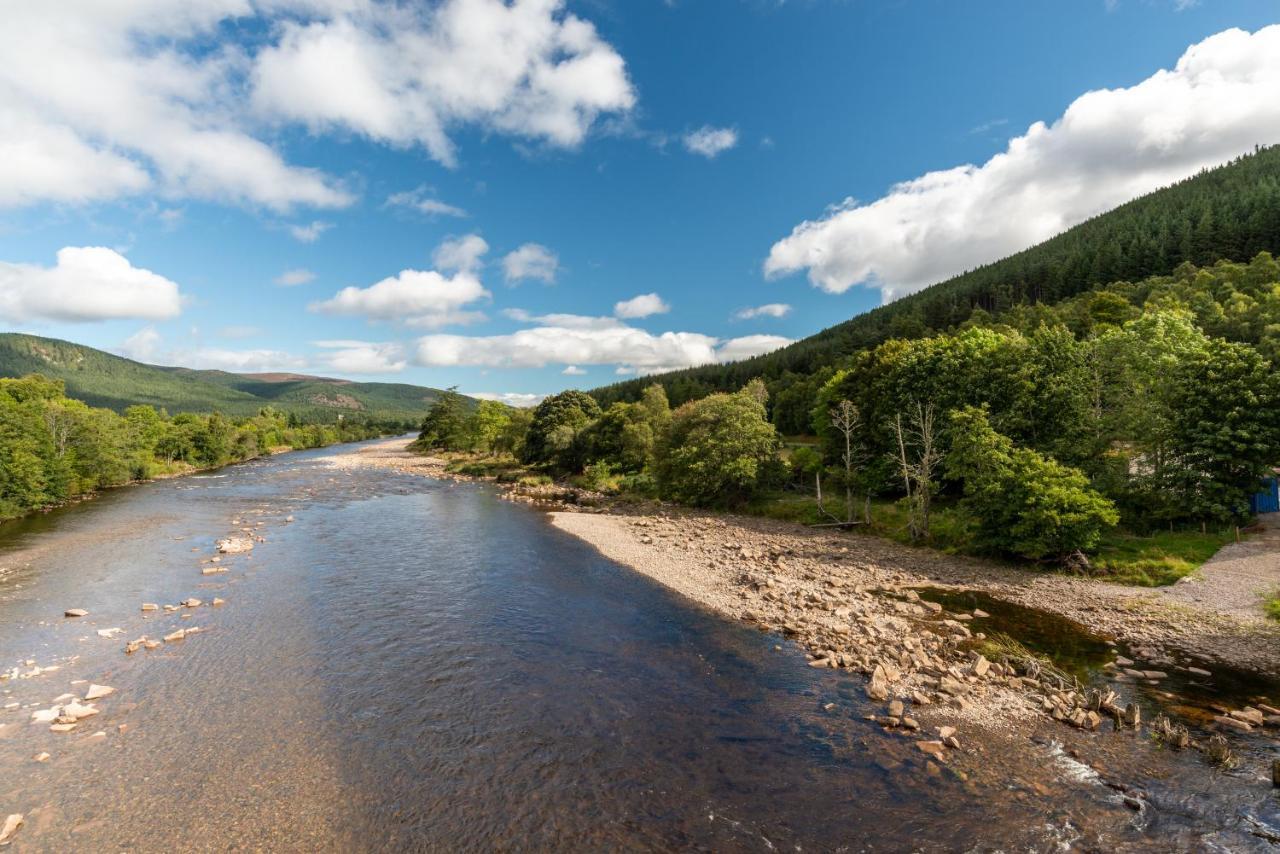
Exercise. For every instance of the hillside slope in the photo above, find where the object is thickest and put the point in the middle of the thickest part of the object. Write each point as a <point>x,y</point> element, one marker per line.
<point>103,379</point>
<point>1231,212</point>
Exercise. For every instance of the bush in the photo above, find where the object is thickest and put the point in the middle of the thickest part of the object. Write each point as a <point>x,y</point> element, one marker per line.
<point>717,449</point>
<point>1026,504</point>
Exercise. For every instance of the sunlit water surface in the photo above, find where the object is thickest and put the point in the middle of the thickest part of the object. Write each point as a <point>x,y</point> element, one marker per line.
<point>417,665</point>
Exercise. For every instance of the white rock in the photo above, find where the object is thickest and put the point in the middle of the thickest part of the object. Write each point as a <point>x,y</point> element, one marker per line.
<point>75,612</point>
<point>109,633</point>
<point>44,716</point>
<point>97,692</point>
<point>10,827</point>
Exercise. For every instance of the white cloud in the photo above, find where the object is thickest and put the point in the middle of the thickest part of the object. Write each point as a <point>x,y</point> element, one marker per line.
<point>238,361</point>
<point>574,371</point>
<point>131,97</point>
<point>102,100</point>
<point>571,321</point>
<point>773,309</point>
<point>747,346</point>
<point>87,283</point>
<point>520,400</point>
<point>293,278</point>
<point>309,232</point>
<point>422,201</point>
<point>461,254</point>
<point>363,357</point>
<point>141,346</point>
<point>145,345</point>
<point>1108,147</point>
<point>710,141</point>
<point>531,261</point>
<point>406,74</point>
<point>641,306</point>
<point>423,298</point>
<point>631,348</point>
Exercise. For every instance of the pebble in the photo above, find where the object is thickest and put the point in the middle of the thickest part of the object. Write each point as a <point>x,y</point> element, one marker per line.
<point>41,757</point>
<point>97,692</point>
<point>150,606</point>
<point>10,827</point>
<point>75,612</point>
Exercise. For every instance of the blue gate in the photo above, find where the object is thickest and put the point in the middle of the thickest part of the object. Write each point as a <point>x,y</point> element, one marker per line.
<point>1268,500</point>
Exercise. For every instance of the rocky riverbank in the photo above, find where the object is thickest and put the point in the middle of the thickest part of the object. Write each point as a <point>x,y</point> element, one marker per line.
<point>852,603</point>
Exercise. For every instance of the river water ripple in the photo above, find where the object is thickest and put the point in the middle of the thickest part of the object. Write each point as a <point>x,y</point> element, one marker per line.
<point>417,665</point>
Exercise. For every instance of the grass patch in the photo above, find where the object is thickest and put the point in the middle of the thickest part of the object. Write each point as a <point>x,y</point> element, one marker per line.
<point>1123,557</point>
<point>1273,607</point>
<point>1158,559</point>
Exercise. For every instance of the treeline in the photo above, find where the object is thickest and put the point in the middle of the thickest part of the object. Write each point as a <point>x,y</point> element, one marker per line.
<point>1152,404</point>
<point>54,448</point>
<point>1230,212</point>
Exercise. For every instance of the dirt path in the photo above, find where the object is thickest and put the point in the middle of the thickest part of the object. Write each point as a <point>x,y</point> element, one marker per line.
<point>1238,580</point>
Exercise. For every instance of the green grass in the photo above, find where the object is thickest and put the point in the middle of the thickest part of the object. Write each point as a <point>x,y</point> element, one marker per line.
<point>1123,557</point>
<point>1273,607</point>
<point>1158,559</point>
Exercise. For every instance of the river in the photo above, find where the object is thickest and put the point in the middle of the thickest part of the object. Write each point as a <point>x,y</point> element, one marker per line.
<point>416,665</point>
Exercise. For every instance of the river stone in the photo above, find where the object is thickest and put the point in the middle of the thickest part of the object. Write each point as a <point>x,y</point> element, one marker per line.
<point>75,612</point>
<point>150,606</point>
<point>932,748</point>
<point>1232,723</point>
<point>1199,671</point>
<point>1249,715</point>
<point>10,827</point>
<point>896,708</point>
<point>97,692</point>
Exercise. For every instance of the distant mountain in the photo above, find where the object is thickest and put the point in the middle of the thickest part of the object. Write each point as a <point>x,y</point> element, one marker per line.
<point>1231,212</point>
<point>103,379</point>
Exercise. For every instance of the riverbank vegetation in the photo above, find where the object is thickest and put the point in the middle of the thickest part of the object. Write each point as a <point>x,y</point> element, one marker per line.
<point>1121,430</point>
<point>54,448</point>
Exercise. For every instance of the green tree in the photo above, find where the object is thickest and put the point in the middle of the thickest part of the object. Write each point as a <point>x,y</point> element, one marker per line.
<point>1026,504</point>
<point>444,424</point>
<point>557,423</point>
<point>717,449</point>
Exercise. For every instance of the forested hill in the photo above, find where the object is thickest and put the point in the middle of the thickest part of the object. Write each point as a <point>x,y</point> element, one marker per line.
<point>1231,212</point>
<point>103,379</point>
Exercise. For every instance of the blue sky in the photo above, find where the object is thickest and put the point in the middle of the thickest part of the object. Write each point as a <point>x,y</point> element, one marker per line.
<point>184,163</point>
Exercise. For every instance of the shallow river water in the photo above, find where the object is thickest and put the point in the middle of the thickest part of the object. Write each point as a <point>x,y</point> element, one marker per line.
<point>418,665</point>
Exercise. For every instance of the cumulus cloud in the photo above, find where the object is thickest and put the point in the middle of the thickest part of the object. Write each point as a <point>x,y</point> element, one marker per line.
<point>142,345</point>
<point>405,74</point>
<point>87,283</point>
<point>424,298</point>
<point>102,100</point>
<point>747,346</point>
<point>571,321</point>
<point>641,306</point>
<point>130,97</point>
<point>237,361</point>
<point>363,357</point>
<point>309,232</point>
<point>634,349</point>
<point>422,201</point>
<point>574,371</point>
<point>710,141</point>
<point>773,309</point>
<point>531,261</point>
<point>461,254</point>
<point>295,277</point>
<point>1109,146</point>
<point>520,400</point>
